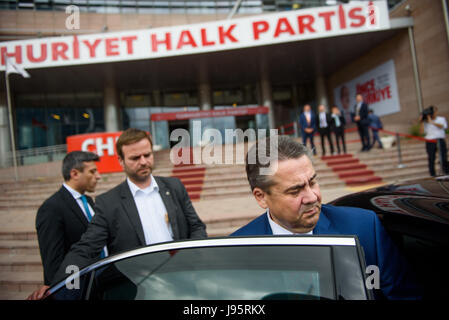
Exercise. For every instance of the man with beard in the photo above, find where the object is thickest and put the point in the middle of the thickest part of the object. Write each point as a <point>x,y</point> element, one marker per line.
<point>143,210</point>
<point>289,192</point>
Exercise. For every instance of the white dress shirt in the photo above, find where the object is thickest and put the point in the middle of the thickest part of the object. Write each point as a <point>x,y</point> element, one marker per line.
<point>278,230</point>
<point>433,132</point>
<point>308,116</point>
<point>77,197</point>
<point>152,212</point>
<point>323,120</point>
<point>357,108</point>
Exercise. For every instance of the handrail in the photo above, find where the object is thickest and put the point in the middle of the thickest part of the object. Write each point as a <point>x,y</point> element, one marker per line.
<point>406,135</point>
<point>50,151</point>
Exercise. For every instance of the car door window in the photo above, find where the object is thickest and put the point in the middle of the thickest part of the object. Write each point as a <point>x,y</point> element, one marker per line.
<point>238,272</point>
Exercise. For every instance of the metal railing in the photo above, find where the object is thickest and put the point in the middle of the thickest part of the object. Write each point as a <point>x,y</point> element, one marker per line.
<point>36,155</point>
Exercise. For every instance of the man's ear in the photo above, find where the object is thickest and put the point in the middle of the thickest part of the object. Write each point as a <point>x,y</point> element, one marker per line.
<point>74,174</point>
<point>260,196</point>
<point>120,160</point>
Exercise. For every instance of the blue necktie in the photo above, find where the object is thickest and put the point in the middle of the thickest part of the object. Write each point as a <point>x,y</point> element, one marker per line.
<point>86,207</point>
<point>89,217</point>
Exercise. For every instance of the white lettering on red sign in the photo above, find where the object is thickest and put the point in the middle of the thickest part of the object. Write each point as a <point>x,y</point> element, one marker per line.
<point>297,25</point>
<point>100,145</point>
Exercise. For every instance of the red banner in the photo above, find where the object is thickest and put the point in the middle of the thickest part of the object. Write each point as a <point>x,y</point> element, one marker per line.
<point>102,144</point>
<point>234,112</point>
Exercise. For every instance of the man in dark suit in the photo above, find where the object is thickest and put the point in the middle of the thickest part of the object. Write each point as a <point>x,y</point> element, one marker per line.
<point>360,117</point>
<point>323,123</point>
<point>140,211</point>
<point>63,218</point>
<point>338,127</point>
<point>308,126</point>
<point>292,199</point>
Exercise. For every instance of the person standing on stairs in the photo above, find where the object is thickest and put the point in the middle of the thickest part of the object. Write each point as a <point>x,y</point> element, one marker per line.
<point>338,127</point>
<point>360,117</point>
<point>64,217</point>
<point>324,123</point>
<point>142,210</point>
<point>434,127</point>
<point>375,125</point>
<point>308,126</point>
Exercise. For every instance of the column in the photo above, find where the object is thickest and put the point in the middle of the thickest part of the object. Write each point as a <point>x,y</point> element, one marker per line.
<point>5,138</point>
<point>266,93</point>
<point>204,88</point>
<point>111,103</point>
<point>320,91</point>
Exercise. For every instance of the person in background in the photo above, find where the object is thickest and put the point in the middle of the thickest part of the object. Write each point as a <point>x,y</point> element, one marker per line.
<point>434,127</point>
<point>63,218</point>
<point>375,125</point>
<point>324,123</point>
<point>308,126</point>
<point>338,127</point>
<point>360,117</point>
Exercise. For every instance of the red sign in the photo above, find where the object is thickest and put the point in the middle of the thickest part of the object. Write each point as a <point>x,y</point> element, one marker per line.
<point>102,144</point>
<point>234,112</point>
<point>245,32</point>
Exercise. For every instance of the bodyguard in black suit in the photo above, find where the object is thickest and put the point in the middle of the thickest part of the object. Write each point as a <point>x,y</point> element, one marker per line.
<point>323,123</point>
<point>360,117</point>
<point>338,127</point>
<point>121,218</point>
<point>62,218</point>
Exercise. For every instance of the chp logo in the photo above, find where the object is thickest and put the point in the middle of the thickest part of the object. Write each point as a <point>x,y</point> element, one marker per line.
<point>102,144</point>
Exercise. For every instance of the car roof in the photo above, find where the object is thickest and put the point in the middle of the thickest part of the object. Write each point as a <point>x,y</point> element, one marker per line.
<point>426,199</point>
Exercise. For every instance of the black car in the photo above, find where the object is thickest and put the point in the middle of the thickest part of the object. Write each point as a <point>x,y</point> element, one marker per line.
<point>416,216</point>
<point>249,268</point>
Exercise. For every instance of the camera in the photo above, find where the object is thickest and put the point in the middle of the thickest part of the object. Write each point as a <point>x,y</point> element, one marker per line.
<point>427,112</point>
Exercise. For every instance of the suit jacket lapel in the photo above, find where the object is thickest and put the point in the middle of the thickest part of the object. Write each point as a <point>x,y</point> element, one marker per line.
<point>73,205</point>
<point>168,200</point>
<point>129,206</point>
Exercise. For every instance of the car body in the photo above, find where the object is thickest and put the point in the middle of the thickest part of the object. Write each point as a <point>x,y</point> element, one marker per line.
<point>415,214</point>
<point>249,268</point>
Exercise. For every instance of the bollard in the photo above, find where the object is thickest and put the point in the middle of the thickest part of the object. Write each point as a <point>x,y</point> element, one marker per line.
<point>398,143</point>
<point>440,157</point>
<point>295,128</point>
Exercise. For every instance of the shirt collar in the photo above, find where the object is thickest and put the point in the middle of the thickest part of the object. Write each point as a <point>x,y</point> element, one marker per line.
<point>72,191</point>
<point>279,230</point>
<point>134,189</point>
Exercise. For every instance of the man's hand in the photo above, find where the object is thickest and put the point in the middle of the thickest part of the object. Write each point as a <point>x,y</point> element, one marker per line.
<point>39,294</point>
<point>357,118</point>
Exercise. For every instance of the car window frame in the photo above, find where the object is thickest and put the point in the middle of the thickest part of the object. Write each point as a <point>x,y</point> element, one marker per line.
<point>143,250</point>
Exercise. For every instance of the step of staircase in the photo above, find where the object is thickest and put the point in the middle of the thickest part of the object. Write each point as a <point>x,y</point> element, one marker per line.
<point>20,263</point>
<point>28,247</point>
<point>26,282</point>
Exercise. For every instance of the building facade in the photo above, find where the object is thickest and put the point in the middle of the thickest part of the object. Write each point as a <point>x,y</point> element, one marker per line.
<point>129,60</point>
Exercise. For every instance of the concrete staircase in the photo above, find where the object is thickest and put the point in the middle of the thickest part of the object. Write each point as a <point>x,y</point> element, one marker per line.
<point>221,196</point>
